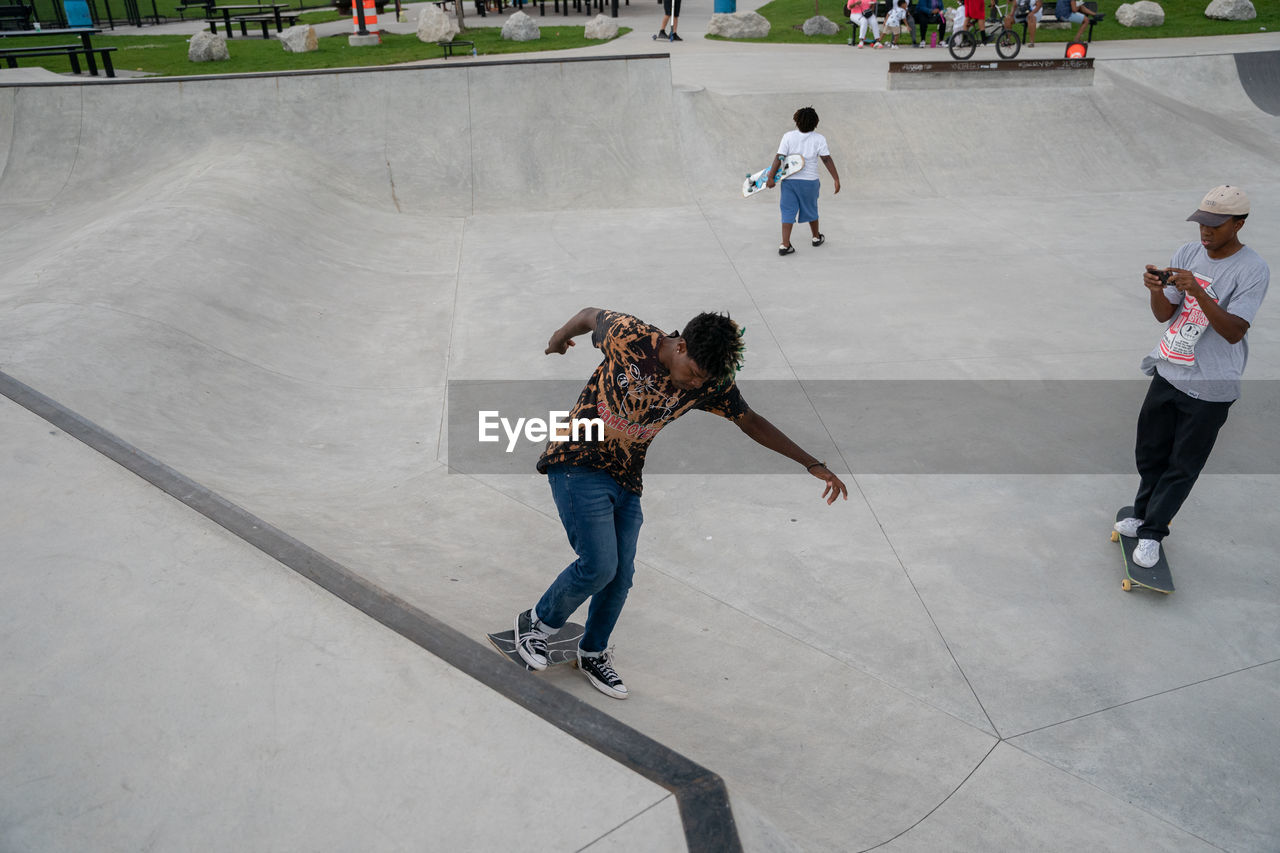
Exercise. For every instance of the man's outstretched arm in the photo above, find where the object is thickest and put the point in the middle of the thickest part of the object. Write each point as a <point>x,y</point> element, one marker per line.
<point>767,435</point>
<point>579,324</point>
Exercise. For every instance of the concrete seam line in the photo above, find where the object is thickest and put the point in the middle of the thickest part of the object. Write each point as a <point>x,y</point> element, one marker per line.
<point>703,801</point>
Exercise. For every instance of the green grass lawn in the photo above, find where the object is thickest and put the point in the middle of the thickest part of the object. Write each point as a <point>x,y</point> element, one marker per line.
<point>167,55</point>
<point>1181,18</point>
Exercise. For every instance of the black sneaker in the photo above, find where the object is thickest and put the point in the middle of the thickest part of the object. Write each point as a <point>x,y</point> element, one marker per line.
<point>531,641</point>
<point>675,36</point>
<point>599,671</point>
<point>662,34</point>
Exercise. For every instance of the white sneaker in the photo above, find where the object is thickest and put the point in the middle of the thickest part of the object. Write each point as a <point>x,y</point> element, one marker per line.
<point>1147,554</point>
<point>1129,527</point>
<point>893,47</point>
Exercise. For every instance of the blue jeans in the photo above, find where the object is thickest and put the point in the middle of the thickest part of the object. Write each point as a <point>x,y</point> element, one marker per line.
<point>602,520</point>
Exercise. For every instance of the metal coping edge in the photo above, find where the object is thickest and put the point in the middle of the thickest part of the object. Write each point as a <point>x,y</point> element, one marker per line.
<point>314,72</point>
<point>705,810</point>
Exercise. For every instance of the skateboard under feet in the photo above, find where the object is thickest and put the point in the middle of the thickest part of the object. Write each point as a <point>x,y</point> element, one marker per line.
<point>1158,578</point>
<point>561,648</point>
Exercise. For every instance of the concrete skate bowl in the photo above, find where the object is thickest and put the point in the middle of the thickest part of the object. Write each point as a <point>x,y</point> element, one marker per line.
<point>1260,76</point>
<point>268,282</point>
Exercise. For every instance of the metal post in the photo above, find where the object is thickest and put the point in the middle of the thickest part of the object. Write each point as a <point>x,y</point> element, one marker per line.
<point>361,31</point>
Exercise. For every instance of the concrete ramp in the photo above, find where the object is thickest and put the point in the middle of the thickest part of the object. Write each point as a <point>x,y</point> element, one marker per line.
<point>1260,77</point>
<point>268,283</point>
<point>446,140</point>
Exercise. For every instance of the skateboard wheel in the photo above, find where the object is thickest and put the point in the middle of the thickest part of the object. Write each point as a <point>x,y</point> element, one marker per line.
<point>1115,537</point>
<point>1126,585</point>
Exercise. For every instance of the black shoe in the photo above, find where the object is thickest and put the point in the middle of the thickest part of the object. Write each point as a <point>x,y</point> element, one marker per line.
<point>819,240</point>
<point>599,671</point>
<point>662,34</point>
<point>531,641</point>
<point>786,250</point>
<point>675,36</point>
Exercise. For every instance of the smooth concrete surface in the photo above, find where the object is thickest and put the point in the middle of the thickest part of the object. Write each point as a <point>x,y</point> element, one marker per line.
<point>268,284</point>
<point>168,687</point>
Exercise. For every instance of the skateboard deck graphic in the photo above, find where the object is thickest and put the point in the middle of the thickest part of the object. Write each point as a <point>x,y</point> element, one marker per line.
<point>1159,577</point>
<point>754,183</point>
<point>561,648</point>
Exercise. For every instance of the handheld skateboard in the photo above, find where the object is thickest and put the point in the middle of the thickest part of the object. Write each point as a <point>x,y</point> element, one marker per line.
<point>561,648</point>
<point>791,164</point>
<point>1158,577</point>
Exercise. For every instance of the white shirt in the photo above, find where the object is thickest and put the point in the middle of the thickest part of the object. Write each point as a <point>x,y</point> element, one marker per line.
<point>895,16</point>
<point>811,146</point>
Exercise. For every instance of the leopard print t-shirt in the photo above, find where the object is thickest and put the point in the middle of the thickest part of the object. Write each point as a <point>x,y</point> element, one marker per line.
<point>632,392</point>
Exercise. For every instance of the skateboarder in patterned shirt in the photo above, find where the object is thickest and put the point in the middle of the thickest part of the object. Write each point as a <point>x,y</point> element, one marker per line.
<point>646,380</point>
<point>1208,297</point>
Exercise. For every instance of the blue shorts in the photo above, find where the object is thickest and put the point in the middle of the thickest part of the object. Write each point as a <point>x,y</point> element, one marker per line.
<point>799,200</point>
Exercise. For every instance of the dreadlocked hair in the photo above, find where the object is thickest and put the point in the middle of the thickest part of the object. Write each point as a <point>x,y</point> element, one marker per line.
<point>806,119</point>
<point>714,342</point>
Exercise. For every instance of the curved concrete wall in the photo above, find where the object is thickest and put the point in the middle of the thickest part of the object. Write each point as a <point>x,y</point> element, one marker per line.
<point>569,135</point>
<point>450,140</point>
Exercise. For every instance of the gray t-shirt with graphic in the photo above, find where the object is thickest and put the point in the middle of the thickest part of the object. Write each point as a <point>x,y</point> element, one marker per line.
<point>1193,357</point>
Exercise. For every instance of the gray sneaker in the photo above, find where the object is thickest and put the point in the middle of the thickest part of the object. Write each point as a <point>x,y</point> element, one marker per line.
<point>1147,554</point>
<point>1129,527</point>
<point>531,641</point>
<point>599,671</point>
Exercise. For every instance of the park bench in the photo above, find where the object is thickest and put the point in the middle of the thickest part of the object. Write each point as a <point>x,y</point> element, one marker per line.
<point>205,7</point>
<point>282,20</point>
<point>263,13</point>
<point>73,52</point>
<point>15,17</point>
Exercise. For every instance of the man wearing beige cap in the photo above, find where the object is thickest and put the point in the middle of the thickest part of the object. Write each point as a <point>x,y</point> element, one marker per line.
<point>1207,298</point>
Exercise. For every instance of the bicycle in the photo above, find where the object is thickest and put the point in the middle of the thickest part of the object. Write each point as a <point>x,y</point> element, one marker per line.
<point>963,44</point>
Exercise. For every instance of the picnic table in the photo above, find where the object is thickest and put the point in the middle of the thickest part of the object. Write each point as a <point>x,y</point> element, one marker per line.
<point>11,55</point>
<point>242,14</point>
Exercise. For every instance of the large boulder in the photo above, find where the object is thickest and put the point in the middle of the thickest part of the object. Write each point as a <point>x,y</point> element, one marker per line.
<point>435,26</point>
<point>739,25</point>
<point>520,27</point>
<point>206,47</point>
<point>1144,13</point>
<point>820,26</point>
<point>299,39</point>
<point>1231,10</point>
<point>601,27</point>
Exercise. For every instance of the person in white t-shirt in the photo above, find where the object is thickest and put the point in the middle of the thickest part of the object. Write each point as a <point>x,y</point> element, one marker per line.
<point>1207,299</point>
<point>894,25</point>
<point>798,197</point>
<point>957,20</point>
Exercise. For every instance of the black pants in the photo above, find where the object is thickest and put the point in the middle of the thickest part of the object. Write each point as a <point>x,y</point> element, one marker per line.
<point>667,10</point>
<point>924,19</point>
<point>1176,433</point>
